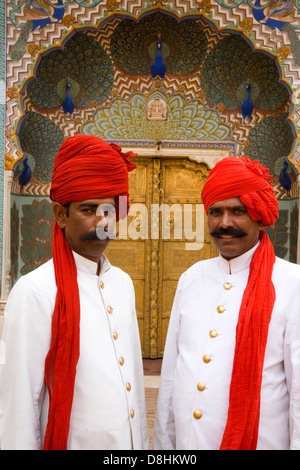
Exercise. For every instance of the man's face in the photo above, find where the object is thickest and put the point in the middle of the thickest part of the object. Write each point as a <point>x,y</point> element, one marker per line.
<point>231,228</point>
<point>86,225</point>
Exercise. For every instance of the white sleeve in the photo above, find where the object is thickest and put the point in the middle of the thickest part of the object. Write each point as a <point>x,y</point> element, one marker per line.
<point>292,370</point>
<point>164,436</point>
<point>25,342</point>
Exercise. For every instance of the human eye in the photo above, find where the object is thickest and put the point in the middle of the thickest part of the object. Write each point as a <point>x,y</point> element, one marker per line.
<point>88,210</point>
<point>240,210</point>
<point>214,211</point>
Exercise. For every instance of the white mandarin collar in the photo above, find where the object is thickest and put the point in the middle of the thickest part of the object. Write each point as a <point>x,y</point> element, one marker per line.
<point>88,266</point>
<point>237,264</point>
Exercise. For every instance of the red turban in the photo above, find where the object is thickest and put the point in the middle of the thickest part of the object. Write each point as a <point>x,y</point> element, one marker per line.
<point>85,167</point>
<point>248,180</point>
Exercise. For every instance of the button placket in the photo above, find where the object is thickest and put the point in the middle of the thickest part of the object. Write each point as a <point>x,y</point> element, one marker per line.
<point>207,358</point>
<point>111,316</point>
<point>109,308</point>
<point>222,308</point>
<point>210,352</point>
<point>115,334</point>
<point>201,388</point>
<point>221,305</point>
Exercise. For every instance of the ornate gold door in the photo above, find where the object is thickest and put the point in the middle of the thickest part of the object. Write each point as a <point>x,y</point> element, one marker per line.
<point>164,234</point>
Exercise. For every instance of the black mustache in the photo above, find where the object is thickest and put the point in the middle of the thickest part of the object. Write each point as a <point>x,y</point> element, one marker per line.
<point>235,232</point>
<point>99,234</point>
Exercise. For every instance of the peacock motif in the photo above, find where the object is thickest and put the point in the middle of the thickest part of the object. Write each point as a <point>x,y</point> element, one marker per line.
<point>40,139</point>
<point>87,66</point>
<point>247,106</point>
<point>271,140</point>
<point>134,45</point>
<point>158,67</point>
<point>25,175</point>
<point>231,65</point>
<point>68,105</point>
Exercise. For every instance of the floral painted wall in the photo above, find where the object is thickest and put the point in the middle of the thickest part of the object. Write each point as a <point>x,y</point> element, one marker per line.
<point>92,67</point>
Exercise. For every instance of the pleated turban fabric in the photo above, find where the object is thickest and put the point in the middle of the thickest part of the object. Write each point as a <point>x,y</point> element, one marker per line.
<point>246,179</point>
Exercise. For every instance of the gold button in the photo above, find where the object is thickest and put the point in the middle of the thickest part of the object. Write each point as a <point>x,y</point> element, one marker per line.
<point>121,361</point>
<point>206,358</point>
<point>115,335</point>
<point>197,414</point>
<point>110,309</point>
<point>227,285</point>
<point>128,386</point>
<point>102,285</point>
<point>201,386</point>
<point>132,413</point>
<point>213,333</point>
<point>220,309</point>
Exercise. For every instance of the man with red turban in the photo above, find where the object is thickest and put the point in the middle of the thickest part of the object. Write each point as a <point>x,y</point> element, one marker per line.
<point>73,376</point>
<point>231,370</point>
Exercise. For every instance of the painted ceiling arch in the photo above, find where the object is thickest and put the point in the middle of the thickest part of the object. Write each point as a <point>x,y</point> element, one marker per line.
<point>120,52</point>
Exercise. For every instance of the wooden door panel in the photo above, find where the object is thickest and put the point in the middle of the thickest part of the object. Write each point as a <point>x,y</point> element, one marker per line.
<point>182,183</point>
<point>131,255</point>
<point>155,264</point>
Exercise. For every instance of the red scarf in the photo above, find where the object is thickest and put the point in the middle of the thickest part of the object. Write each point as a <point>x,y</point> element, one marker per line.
<point>241,430</point>
<point>240,177</point>
<point>85,167</point>
<point>61,361</point>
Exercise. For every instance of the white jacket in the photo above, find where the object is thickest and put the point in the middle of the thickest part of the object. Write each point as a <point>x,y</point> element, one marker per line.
<point>198,328</point>
<point>108,410</point>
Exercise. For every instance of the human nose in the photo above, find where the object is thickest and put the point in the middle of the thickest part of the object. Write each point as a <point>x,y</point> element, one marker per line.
<point>101,218</point>
<point>226,220</point>
<point>102,221</point>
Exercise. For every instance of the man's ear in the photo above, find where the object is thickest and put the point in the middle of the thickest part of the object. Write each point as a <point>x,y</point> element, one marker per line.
<point>60,213</point>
